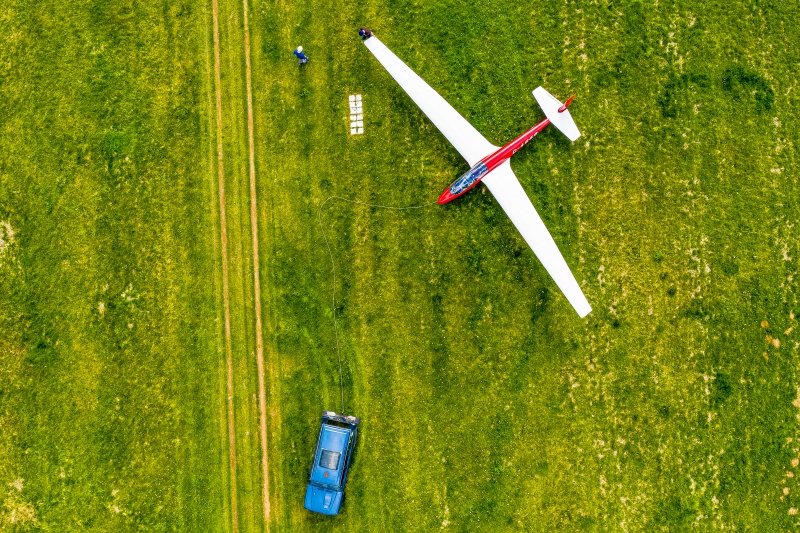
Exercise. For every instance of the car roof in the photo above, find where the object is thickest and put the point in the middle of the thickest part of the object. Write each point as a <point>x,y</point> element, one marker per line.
<point>333,439</point>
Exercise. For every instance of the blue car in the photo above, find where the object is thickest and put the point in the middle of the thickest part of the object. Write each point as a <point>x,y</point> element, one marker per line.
<point>337,439</point>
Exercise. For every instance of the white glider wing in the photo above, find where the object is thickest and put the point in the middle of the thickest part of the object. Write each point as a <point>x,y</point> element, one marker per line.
<point>462,135</point>
<point>501,181</point>
<point>515,202</point>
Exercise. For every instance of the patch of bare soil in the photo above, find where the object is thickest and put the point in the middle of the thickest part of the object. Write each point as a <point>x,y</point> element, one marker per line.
<point>6,237</point>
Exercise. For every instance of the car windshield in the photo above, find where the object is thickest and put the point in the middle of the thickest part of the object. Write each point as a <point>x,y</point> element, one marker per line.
<point>338,424</point>
<point>329,459</point>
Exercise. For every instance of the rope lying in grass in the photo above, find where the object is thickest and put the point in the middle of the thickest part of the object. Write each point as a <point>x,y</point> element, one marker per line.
<point>333,265</point>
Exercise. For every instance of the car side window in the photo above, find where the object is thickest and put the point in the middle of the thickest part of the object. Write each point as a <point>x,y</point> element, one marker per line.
<point>349,452</point>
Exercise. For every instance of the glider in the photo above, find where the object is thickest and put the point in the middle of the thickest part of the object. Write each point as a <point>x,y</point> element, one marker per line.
<point>490,164</point>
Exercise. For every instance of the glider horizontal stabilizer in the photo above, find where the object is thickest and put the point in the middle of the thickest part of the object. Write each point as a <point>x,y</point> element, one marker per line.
<point>557,113</point>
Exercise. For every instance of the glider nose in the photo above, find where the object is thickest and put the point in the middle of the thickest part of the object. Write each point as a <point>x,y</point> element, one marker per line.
<point>446,196</point>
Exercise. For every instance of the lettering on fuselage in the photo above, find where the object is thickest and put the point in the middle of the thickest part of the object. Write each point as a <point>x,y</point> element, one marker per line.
<point>469,178</point>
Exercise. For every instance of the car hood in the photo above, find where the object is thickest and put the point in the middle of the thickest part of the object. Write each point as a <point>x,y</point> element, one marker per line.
<point>323,500</point>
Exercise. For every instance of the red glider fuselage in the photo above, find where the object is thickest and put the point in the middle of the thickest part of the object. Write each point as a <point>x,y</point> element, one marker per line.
<point>467,181</point>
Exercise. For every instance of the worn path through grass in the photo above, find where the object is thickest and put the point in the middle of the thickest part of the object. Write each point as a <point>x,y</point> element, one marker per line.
<point>251,493</point>
<point>259,331</point>
<point>223,252</point>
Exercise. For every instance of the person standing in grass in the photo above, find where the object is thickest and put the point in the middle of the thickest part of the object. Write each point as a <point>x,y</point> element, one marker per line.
<point>365,33</point>
<point>298,53</point>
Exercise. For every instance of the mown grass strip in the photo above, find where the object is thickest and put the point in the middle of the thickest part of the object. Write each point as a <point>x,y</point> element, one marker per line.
<point>259,334</point>
<point>241,257</point>
<point>232,464</point>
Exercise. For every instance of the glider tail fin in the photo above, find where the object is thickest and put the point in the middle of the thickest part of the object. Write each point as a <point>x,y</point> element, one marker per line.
<point>557,113</point>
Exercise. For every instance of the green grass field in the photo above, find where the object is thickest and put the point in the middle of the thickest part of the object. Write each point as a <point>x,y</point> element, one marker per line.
<point>487,404</point>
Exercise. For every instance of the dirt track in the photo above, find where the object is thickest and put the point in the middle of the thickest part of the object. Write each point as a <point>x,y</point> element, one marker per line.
<point>259,340</point>
<point>262,397</point>
<point>225,275</point>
